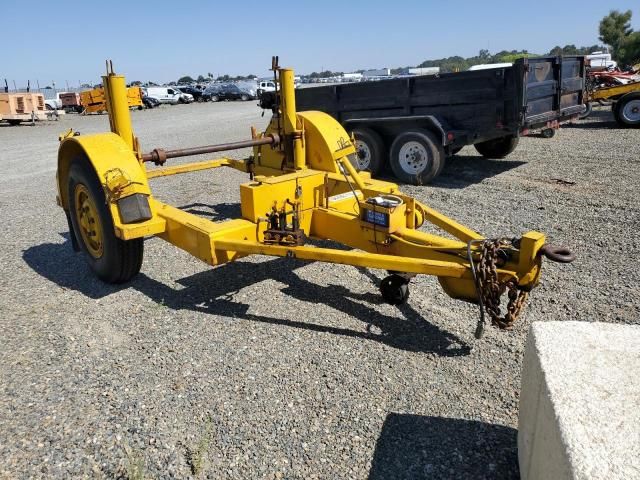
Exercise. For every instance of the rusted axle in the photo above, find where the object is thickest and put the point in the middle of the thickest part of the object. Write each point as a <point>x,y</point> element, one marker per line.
<point>159,155</point>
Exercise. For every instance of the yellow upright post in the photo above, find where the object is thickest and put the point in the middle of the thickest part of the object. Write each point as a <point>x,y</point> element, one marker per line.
<point>115,93</point>
<point>291,130</point>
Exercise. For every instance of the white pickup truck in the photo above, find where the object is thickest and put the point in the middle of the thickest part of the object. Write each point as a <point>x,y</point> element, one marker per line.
<point>168,95</point>
<point>54,103</point>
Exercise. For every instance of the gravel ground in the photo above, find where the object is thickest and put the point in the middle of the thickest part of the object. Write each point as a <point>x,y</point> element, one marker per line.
<point>270,368</point>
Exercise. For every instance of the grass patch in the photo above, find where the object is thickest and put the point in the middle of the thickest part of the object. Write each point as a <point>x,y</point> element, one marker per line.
<point>135,464</point>
<point>197,456</point>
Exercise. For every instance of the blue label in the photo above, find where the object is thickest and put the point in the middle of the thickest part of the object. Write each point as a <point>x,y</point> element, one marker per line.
<point>377,218</point>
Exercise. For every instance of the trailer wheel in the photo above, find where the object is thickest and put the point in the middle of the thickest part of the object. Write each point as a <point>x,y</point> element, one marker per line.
<point>112,260</point>
<point>627,110</point>
<point>548,133</point>
<point>416,157</point>
<point>369,150</point>
<point>498,148</point>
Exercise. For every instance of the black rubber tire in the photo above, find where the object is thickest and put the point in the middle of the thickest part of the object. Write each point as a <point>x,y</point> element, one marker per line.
<point>394,289</point>
<point>121,259</point>
<point>434,151</point>
<point>498,148</point>
<point>620,105</point>
<point>376,147</point>
<point>587,112</point>
<point>244,98</point>
<point>214,98</point>
<point>548,133</point>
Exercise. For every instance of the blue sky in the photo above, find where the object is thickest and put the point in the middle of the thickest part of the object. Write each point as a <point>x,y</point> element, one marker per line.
<point>163,40</point>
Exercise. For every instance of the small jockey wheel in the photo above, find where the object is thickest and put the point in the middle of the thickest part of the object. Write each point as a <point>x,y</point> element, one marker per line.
<point>395,289</point>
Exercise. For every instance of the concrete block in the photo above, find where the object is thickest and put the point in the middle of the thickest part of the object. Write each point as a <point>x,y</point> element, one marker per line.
<point>580,402</point>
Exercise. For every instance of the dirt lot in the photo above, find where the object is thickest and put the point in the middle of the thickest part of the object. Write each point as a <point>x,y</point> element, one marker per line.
<point>270,368</point>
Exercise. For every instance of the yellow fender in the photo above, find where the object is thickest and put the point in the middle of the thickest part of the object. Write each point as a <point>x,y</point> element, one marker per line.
<point>119,172</point>
<point>325,140</point>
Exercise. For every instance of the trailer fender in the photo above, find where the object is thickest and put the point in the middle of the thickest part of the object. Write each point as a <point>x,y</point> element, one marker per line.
<point>325,140</point>
<point>428,121</point>
<point>123,178</point>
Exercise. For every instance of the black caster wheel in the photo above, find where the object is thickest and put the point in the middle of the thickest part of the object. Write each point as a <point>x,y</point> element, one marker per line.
<point>548,133</point>
<point>395,289</point>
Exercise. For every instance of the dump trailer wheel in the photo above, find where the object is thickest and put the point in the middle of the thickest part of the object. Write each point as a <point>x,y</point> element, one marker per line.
<point>369,150</point>
<point>627,110</point>
<point>498,148</point>
<point>416,157</point>
<point>112,260</point>
<point>548,133</point>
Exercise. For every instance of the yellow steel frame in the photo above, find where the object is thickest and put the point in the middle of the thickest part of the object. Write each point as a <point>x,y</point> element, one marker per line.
<point>310,171</point>
<point>614,92</point>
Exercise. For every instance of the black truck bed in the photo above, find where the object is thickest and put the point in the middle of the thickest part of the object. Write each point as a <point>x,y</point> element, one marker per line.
<point>481,107</point>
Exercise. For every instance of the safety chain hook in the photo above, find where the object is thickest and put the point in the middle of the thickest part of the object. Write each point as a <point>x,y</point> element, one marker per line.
<point>490,289</point>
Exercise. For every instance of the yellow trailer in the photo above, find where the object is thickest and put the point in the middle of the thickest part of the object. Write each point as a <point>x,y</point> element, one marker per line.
<point>301,187</point>
<point>93,101</point>
<point>626,102</point>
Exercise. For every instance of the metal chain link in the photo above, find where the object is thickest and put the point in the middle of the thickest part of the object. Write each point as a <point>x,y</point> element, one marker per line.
<point>490,289</point>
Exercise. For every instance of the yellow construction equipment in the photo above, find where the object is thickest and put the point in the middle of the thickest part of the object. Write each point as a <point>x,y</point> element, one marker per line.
<point>93,101</point>
<point>626,102</point>
<point>302,186</point>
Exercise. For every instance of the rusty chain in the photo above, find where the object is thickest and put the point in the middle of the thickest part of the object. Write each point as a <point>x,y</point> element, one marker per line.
<point>490,289</point>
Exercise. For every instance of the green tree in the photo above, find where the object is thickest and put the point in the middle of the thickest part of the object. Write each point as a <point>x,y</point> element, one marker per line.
<point>186,79</point>
<point>615,31</point>
<point>201,79</point>
<point>615,27</point>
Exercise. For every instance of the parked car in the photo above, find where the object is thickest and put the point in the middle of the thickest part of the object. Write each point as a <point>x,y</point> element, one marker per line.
<point>195,91</point>
<point>185,97</point>
<point>266,86</point>
<point>229,91</point>
<point>165,94</point>
<point>150,102</point>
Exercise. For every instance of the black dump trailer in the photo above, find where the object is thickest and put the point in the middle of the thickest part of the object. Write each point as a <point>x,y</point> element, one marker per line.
<point>414,123</point>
